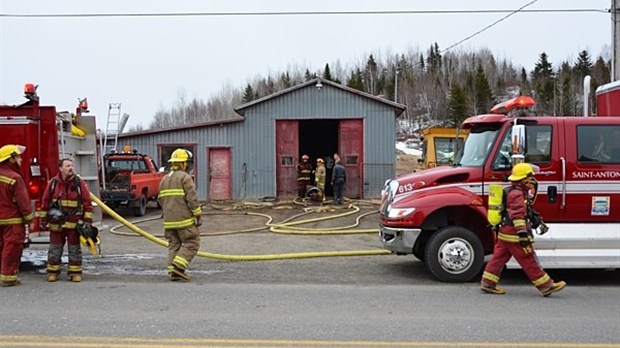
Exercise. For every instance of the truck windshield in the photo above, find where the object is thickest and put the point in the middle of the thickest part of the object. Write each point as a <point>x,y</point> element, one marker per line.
<point>477,146</point>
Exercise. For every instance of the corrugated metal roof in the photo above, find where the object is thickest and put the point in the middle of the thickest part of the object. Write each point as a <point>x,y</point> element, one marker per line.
<point>176,128</point>
<point>398,108</point>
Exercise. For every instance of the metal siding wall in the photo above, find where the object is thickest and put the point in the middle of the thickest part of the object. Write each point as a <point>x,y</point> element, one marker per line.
<point>253,141</point>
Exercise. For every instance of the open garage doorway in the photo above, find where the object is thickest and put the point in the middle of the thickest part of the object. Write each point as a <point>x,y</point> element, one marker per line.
<point>319,139</point>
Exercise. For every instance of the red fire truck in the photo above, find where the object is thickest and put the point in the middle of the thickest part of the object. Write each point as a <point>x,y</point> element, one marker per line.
<point>440,215</point>
<point>48,137</point>
<point>608,99</point>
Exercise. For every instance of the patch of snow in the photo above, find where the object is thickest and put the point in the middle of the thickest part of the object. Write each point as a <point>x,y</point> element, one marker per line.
<point>404,147</point>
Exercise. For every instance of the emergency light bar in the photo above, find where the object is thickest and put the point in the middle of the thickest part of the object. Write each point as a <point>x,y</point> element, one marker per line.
<point>521,102</point>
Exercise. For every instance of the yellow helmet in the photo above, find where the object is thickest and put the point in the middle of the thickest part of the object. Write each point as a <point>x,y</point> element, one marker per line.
<point>521,171</point>
<point>10,150</point>
<point>180,155</point>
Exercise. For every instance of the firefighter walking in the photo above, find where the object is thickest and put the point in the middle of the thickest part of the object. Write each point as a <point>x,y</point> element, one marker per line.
<point>515,238</point>
<point>15,213</point>
<point>320,175</point>
<point>182,215</point>
<point>304,173</point>
<point>67,210</point>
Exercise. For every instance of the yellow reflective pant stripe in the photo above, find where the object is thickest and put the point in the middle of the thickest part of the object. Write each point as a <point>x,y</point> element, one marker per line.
<point>29,217</point>
<point>7,180</point>
<point>490,276</point>
<point>8,278</point>
<point>12,221</point>
<point>197,211</point>
<point>74,268</point>
<point>42,214</point>
<point>68,225</point>
<point>88,215</point>
<point>518,223</point>
<point>542,280</point>
<point>171,192</point>
<point>69,203</point>
<point>180,262</point>
<point>175,225</point>
<point>510,238</point>
<point>54,268</point>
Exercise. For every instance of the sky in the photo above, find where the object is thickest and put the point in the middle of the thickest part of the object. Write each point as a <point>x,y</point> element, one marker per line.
<point>145,62</point>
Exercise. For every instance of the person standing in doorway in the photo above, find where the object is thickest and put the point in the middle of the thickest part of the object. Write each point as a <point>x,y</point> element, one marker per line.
<point>182,215</point>
<point>65,208</point>
<point>15,213</point>
<point>339,177</point>
<point>304,176</point>
<point>319,176</point>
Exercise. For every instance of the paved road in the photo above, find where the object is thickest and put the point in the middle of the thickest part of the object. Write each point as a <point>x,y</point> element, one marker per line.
<point>371,301</point>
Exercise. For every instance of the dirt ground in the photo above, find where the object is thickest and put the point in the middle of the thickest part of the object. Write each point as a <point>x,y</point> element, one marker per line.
<point>406,164</point>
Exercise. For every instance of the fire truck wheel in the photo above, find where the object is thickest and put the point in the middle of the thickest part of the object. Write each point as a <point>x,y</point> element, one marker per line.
<point>140,208</point>
<point>454,254</point>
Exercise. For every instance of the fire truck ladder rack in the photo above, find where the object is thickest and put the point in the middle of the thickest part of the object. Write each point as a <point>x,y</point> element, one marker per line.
<point>114,126</point>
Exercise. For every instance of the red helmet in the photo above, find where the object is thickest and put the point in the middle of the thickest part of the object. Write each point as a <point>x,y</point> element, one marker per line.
<point>305,157</point>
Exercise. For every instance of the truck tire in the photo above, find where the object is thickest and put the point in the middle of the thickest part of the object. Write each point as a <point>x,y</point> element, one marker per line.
<point>454,254</point>
<point>140,208</point>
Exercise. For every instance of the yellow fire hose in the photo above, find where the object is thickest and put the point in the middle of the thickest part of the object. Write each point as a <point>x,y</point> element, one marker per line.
<point>156,240</point>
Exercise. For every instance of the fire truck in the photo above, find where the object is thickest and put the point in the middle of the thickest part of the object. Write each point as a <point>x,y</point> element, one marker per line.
<point>49,136</point>
<point>440,214</point>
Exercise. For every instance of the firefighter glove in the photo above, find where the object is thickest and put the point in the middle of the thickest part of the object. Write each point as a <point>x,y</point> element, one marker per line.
<point>535,219</point>
<point>524,240</point>
<point>198,221</point>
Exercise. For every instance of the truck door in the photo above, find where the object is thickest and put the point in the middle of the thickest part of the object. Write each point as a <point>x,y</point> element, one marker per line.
<point>543,150</point>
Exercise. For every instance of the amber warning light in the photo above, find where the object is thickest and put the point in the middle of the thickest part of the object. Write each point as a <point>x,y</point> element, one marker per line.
<point>521,102</point>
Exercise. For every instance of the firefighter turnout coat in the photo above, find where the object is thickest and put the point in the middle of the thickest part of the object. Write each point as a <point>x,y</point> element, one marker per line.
<point>15,212</point>
<point>515,221</point>
<point>182,213</point>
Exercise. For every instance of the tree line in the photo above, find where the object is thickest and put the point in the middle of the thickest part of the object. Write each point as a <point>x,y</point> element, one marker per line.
<point>437,88</point>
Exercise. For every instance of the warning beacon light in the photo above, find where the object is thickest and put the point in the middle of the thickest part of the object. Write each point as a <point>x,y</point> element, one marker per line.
<point>521,102</point>
<point>30,91</point>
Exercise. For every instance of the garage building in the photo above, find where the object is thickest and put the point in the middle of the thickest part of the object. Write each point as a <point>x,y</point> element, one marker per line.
<point>256,155</point>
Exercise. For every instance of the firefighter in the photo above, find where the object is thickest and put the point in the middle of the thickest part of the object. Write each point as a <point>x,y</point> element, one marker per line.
<point>515,236</point>
<point>319,176</point>
<point>304,172</point>
<point>182,215</point>
<point>66,209</point>
<point>15,213</point>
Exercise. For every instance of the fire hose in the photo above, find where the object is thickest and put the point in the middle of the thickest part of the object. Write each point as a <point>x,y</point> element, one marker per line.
<point>278,227</point>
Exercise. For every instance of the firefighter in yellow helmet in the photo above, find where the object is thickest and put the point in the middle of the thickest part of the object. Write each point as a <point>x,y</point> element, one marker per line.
<point>319,176</point>
<point>15,213</point>
<point>182,215</point>
<point>515,236</point>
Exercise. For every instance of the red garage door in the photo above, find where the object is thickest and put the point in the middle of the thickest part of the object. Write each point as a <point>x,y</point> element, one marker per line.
<point>352,154</point>
<point>287,145</point>
<point>219,174</point>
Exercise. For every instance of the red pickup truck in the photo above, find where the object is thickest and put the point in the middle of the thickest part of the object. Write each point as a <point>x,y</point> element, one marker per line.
<point>130,179</point>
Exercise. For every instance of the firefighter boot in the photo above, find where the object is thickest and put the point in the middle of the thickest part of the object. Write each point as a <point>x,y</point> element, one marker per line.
<point>76,278</point>
<point>555,287</point>
<point>11,283</point>
<point>177,273</point>
<point>492,290</point>
<point>51,277</point>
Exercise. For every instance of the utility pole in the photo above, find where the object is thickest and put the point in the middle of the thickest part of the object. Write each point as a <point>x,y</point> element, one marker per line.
<point>396,83</point>
<point>615,40</point>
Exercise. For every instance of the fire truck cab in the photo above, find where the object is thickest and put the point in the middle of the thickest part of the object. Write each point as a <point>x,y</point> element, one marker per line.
<point>48,137</point>
<point>440,214</point>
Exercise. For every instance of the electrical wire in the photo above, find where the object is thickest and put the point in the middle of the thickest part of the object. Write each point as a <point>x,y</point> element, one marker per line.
<point>299,13</point>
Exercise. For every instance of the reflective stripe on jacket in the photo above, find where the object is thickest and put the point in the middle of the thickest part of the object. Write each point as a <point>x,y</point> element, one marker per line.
<point>66,194</point>
<point>15,207</point>
<point>516,216</point>
<point>179,201</point>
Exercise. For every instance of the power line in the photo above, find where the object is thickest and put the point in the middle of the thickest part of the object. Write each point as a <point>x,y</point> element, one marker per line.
<point>520,9</point>
<point>296,13</point>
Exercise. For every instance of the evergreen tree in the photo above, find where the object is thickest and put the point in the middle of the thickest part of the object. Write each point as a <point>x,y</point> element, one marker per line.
<point>524,84</point>
<point>457,104</point>
<point>309,76</point>
<point>434,59</point>
<point>356,80</point>
<point>371,75</point>
<point>583,65</point>
<point>565,96</point>
<point>285,80</point>
<point>327,75</point>
<point>482,90</point>
<point>422,65</point>
<point>248,94</point>
<point>543,80</point>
